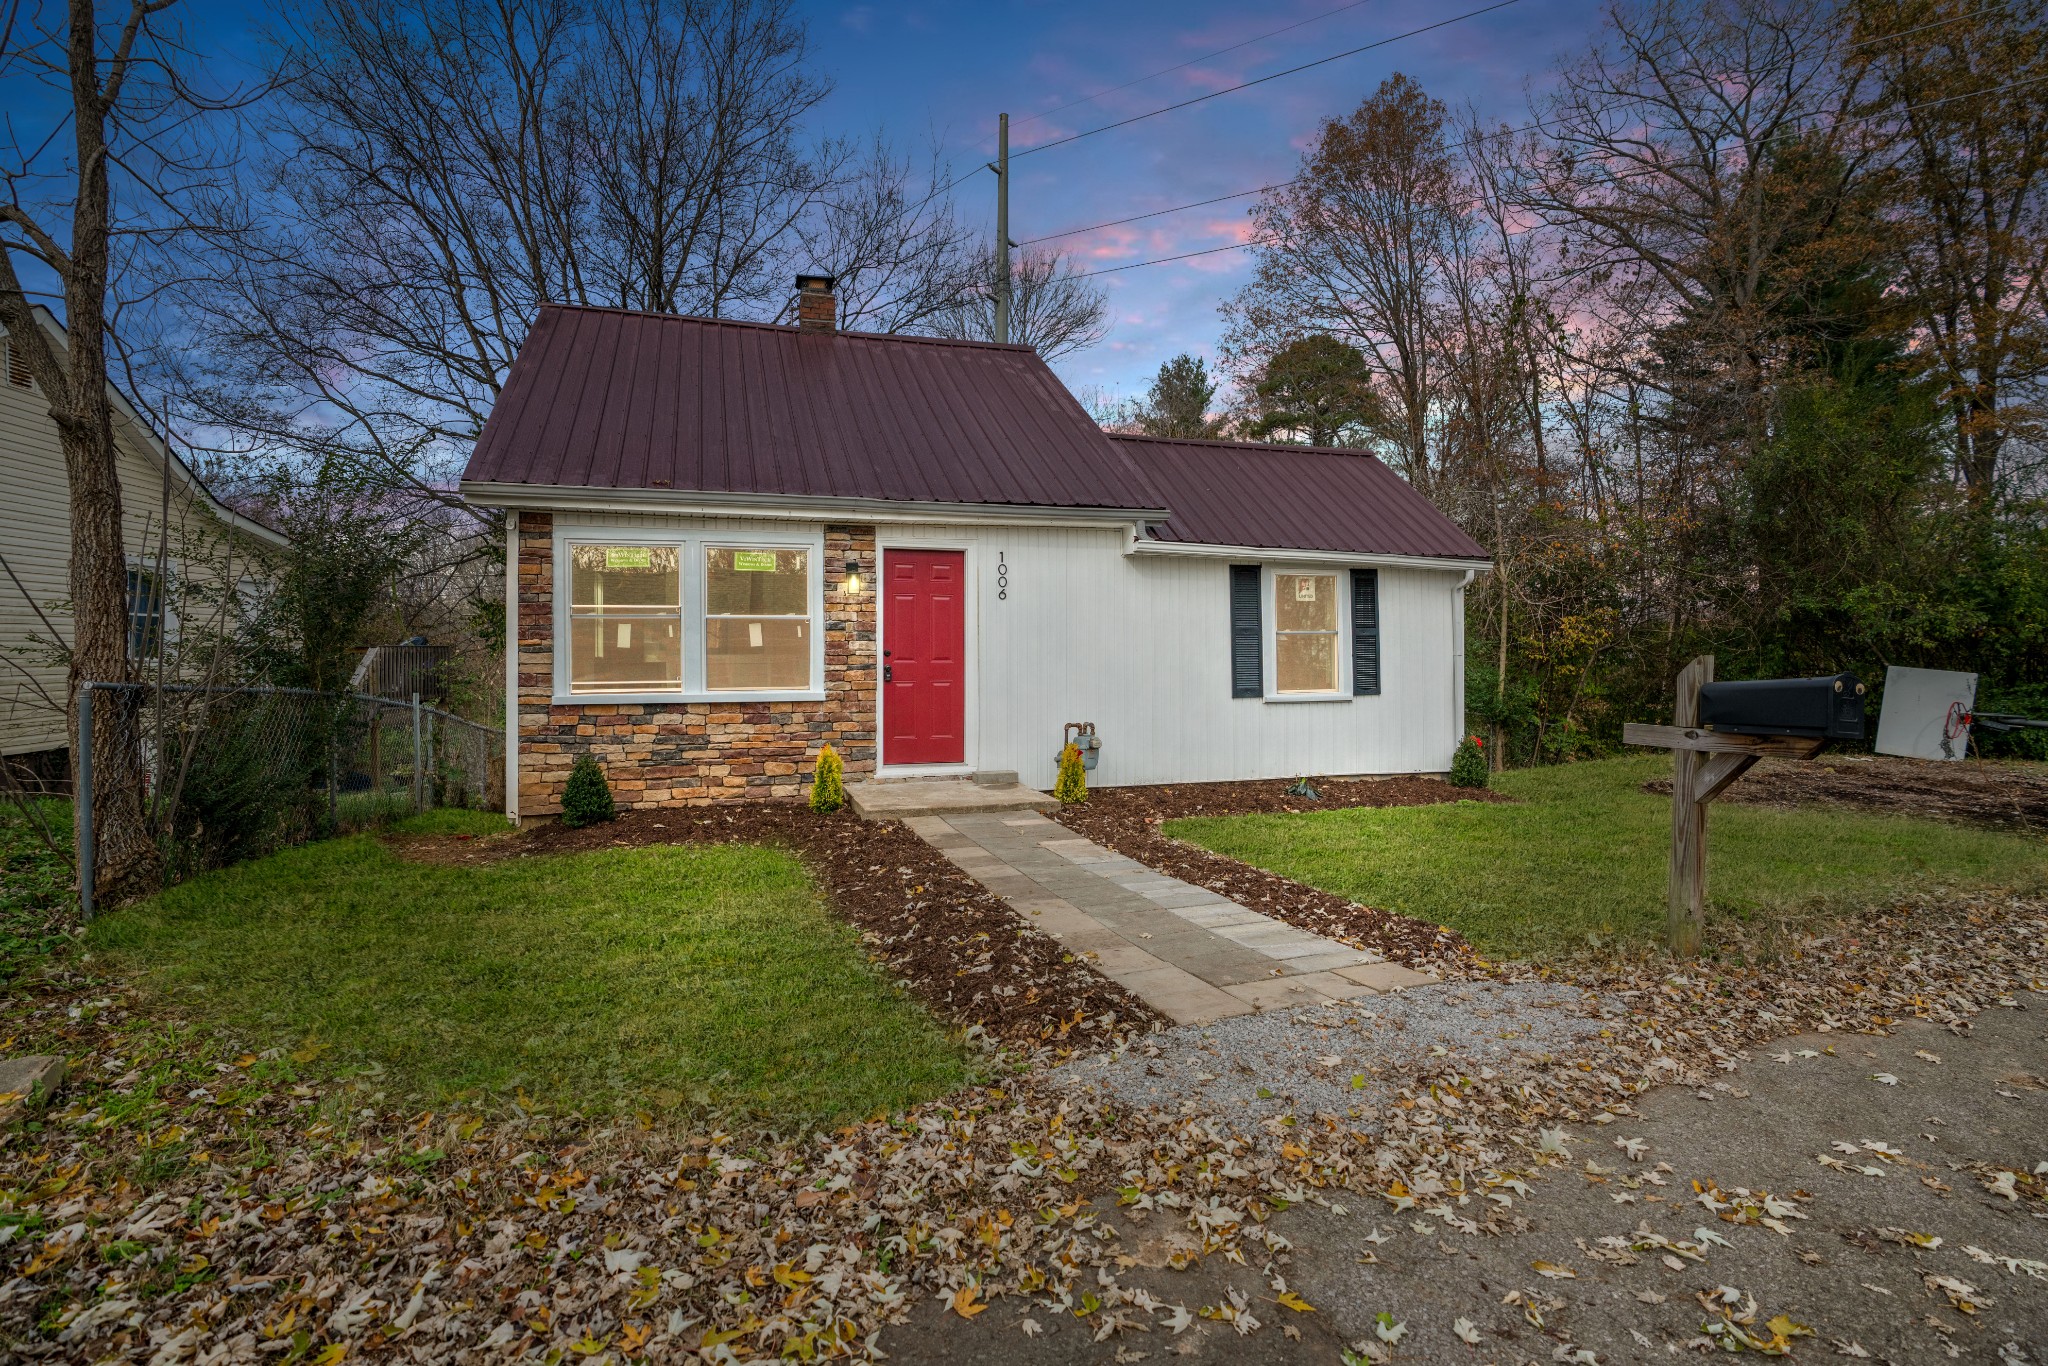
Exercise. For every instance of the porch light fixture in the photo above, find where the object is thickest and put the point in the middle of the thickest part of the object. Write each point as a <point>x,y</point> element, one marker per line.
<point>852,584</point>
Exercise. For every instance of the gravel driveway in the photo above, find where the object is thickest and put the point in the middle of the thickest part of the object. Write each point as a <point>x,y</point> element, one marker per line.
<point>1330,1059</point>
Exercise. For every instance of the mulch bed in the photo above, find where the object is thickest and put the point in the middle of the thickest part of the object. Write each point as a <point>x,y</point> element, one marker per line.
<point>2003,796</point>
<point>958,948</point>
<point>1127,819</point>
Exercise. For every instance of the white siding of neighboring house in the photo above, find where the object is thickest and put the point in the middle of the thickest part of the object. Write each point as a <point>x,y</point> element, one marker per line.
<point>1139,644</point>
<point>35,539</point>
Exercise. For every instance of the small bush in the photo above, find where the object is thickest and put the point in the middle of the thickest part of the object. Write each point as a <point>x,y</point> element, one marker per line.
<point>1468,765</point>
<point>828,782</point>
<point>1073,783</point>
<point>587,800</point>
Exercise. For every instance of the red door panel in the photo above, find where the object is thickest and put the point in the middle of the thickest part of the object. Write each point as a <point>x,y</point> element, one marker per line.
<point>924,657</point>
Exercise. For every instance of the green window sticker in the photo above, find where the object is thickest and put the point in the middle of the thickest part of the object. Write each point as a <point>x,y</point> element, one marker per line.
<point>754,561</point>
<point>628,557</point>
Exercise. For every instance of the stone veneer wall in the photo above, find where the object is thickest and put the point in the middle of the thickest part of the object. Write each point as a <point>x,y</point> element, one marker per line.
<point>691,753</point>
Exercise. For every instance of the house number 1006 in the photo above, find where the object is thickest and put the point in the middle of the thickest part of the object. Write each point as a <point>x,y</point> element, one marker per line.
<point>1002,579</point>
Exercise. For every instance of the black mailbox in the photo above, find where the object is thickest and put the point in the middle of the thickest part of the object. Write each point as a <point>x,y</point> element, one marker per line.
<point>1821,708</point>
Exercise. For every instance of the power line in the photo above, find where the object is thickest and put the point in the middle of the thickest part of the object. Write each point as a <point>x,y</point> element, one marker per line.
<point>1156,213</point>
<point>1451,147</point>
<point>1180,66</point>
<point>1261,80</point>
<point>1626,175</point>
<point>1162,260</point>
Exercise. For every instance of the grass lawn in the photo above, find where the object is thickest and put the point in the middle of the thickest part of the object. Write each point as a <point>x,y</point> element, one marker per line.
<point>624,980</point>
<point>36,895</point>
<point>1582,857</point>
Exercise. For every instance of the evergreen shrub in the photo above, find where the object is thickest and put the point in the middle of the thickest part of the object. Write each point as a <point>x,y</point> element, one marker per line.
<point>587,799</point>
<point>828,782</point>
<point>1468,765</point>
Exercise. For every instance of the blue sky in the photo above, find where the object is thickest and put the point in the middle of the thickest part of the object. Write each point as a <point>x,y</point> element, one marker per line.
<point>941,70</point>
<point>945,68</point>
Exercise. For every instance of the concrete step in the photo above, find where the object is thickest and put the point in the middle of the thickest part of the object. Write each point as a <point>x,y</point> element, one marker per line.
<point>904,798</point>
<point>27,1085</point>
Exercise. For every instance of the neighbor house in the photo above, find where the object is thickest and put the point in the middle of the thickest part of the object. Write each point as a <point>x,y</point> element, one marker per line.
<point>733,543</point>
<point>202,544</point>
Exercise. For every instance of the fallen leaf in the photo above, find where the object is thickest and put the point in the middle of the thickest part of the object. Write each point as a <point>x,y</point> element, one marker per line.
<point>1554,1271</point>
<point>1467,1331</point>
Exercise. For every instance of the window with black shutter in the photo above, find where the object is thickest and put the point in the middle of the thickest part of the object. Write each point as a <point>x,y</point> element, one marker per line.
<point>1247,647</point>
<point>1365,632</point>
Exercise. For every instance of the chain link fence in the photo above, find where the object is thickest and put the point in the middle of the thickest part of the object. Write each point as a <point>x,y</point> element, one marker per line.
<point>232,773</point>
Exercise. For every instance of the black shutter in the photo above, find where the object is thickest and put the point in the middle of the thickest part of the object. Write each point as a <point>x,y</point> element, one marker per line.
<point>1247,650</point>
<point>1365,632</point>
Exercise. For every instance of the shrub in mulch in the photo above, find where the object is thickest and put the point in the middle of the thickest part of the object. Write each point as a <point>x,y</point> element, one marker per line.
<point>587,797</point>
<point>1127,819</point>
<point>958,948</point>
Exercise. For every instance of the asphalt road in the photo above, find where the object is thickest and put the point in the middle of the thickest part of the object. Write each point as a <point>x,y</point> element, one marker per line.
<point>1847,1270</point>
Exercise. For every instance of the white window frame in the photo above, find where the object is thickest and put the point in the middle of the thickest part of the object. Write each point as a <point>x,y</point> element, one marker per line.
<point>169,626</point>
<point>690,546</point>
<point>1269,631</point>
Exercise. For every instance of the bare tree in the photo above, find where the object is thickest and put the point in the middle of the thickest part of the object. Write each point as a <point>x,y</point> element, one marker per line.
<point>1959,89</point>
<point>893,241</point>
<point>1054,308</point>
<point>443,168</point>
<point>1355,247</point>
<point>1679,152</point>
<point>76,220</point>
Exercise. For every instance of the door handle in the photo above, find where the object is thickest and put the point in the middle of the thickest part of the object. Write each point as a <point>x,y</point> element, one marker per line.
<point>888,673</point>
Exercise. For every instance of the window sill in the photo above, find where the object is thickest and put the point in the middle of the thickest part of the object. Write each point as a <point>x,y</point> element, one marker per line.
<point>1295,699</point>
<point>653,699</point>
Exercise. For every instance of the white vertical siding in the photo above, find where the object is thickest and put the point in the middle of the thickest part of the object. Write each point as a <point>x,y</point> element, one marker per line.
<point>1139,644</point>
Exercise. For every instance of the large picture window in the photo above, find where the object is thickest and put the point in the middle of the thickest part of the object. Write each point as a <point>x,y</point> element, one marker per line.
<point>655,615</point>
<point>625,618</point>
<point>1305,629</point>
<point>757,619</point>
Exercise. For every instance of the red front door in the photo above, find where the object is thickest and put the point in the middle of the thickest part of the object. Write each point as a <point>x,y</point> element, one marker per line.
<point>924,657</point>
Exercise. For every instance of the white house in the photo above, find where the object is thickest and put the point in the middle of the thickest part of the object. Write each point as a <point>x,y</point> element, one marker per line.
<point>200,539</point>
<point>735,543</point>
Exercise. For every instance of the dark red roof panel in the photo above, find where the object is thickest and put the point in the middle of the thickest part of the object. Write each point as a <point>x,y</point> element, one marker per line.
<point>605,398</point>
<point>1292,498</point>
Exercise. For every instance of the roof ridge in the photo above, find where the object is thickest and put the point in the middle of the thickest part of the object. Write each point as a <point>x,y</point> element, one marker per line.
<point>790,328</point>
<point>1286,446</point>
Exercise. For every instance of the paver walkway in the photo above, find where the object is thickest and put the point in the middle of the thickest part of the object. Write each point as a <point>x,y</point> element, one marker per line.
<point>1188,953</point>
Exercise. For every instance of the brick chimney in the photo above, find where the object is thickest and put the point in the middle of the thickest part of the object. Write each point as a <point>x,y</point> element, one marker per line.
<point>816,308</point>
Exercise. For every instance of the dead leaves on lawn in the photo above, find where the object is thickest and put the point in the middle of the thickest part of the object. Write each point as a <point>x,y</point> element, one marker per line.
<point>178,1204</point>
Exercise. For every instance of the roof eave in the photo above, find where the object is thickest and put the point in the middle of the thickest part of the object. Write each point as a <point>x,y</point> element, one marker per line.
<point>247,525</point>
<point>784,506</point>
<point>1452,563</point>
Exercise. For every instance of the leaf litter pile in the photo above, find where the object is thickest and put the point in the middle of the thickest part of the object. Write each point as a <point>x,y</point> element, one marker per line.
<point>1998,795</point>
<point>186,1204</point>
<point>1127,820</point>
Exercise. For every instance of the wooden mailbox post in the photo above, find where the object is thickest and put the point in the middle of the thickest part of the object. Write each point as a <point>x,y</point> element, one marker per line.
<point>1704,763</point>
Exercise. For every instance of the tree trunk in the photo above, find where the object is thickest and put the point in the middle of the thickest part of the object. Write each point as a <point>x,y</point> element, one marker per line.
<point>127,857</point>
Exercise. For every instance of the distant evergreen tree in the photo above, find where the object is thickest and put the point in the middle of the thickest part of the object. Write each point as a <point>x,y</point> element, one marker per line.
<point>1317,390</point>
<point>1178,404</point>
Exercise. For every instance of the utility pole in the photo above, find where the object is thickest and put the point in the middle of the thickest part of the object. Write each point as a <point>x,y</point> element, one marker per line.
<point>1002,170</point>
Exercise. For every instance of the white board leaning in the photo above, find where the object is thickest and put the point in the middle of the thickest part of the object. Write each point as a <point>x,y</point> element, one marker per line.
<point>1924,713</point>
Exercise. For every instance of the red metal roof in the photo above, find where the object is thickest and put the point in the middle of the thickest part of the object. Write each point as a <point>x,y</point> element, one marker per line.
<point>606,398</point>
<point>1292,498</point>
